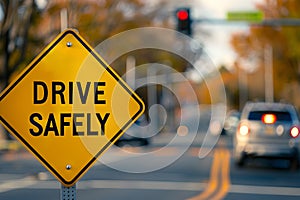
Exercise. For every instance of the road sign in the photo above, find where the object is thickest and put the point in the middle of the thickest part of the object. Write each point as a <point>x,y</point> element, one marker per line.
<point>247,16</point>
<point>68,106</point>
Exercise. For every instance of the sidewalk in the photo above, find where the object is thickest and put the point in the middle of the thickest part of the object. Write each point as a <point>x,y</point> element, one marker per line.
<point>7,145</point>
<point>161,140</point>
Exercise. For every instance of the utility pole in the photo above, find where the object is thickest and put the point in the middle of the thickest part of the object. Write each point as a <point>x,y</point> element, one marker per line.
<point>63,19</point>
<point>269,85</point>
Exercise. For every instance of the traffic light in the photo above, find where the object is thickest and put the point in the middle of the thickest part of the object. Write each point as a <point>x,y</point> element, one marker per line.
<point>184,21</point>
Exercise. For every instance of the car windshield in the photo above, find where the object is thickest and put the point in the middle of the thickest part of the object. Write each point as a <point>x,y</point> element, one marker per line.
<point>280,115</point>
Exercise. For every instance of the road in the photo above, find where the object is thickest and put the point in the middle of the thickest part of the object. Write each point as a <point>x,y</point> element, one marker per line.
<point>213,177</point>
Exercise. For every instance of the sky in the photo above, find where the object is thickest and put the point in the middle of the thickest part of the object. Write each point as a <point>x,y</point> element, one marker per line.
<point>217,44</point>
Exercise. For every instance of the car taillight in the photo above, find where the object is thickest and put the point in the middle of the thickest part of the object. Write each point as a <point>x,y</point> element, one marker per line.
<point>268,118</point>
<point>294,132</point>
<point>244,130</point>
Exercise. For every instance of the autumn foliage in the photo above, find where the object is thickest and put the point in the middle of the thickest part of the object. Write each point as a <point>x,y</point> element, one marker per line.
<point>285,40</point>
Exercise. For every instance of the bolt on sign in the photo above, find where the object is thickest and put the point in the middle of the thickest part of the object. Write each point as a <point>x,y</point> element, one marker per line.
<point>68,106</point>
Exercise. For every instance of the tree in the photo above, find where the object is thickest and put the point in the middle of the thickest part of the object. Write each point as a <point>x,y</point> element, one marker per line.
<point>25,28</point>
<point>98,20</point>
<point>15,43</point>
<point>18,17</point>
<point>284,40</point>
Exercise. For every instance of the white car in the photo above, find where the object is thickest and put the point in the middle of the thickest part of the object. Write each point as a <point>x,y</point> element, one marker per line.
<point>268,130</point>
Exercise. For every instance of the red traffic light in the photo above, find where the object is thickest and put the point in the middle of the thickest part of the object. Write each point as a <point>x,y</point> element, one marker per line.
<point>184,21</point>
<point>182,14</point>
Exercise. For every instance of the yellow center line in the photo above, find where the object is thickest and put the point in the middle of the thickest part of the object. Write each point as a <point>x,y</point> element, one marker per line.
<point>219,182</point>
<point>213,182</point>
<point>225,170</point>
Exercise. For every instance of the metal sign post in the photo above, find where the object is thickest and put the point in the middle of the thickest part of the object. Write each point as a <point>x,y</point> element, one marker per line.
<point>68,193</point>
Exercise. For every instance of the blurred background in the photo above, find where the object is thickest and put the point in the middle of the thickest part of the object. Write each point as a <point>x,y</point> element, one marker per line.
<point>248,52</point>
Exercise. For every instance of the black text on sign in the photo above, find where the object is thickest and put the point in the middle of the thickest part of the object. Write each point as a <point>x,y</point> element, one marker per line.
<point>61,93</point>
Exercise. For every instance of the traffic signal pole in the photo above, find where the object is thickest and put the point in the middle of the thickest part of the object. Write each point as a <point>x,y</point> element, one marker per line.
<point>269,84</point>
<point>251,19</point>
<point>266,22</point>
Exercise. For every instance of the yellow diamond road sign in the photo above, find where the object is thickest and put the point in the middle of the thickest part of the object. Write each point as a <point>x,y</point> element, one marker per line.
<point>68,106</point>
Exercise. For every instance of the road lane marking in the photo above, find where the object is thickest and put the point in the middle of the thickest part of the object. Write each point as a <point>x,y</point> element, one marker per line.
<point>142,185</point>
<point>104,184</point>
<point>26,183</point>
<point>219,182</point>
<point>265,190</point>
<point>225,175</point>
<point>213,181</point>
<point>17,184</point>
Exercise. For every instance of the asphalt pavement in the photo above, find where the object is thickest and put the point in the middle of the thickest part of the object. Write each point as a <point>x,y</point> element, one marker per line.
<point>186,176</point>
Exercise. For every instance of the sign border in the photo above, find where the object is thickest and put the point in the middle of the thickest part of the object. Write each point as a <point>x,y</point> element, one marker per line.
<point>107,68</point>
